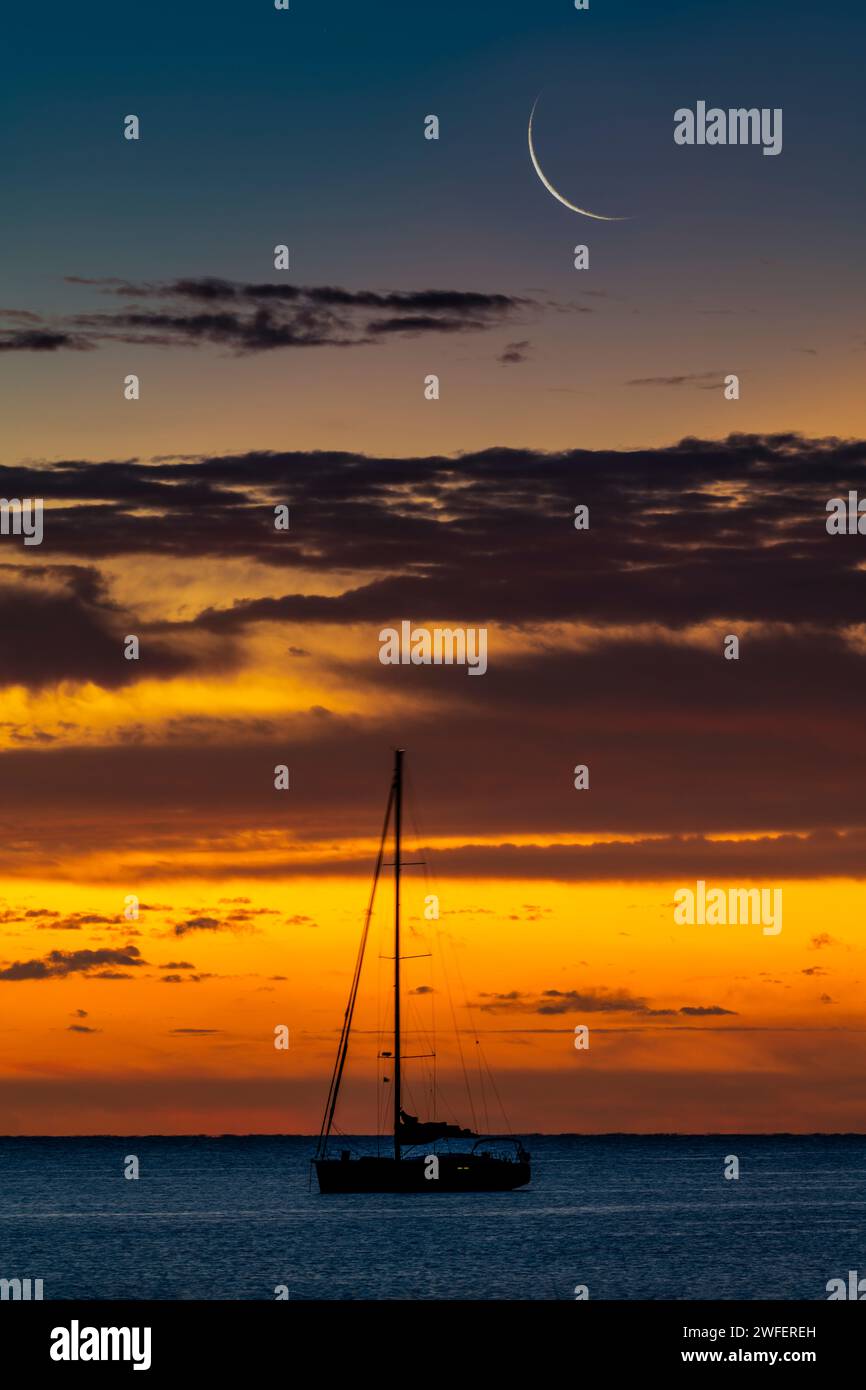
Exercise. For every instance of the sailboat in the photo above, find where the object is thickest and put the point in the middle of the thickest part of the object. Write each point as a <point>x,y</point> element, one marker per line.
<point>495,1163</point>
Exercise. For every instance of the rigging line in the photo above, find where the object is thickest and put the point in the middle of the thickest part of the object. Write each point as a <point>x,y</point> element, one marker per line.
<point>436,965</point>
<point>483,1087</point>
<point>337,1076</point>
<point>433,1065</point>
<point>419,1030</point>
<point>380,1043</point>
<point>440,938</point>
<point>434,1100</point>
<point>460,1048</point>
<point>474,1031</point>
<point>429,1040</point>
<point>431,883</point>
<point>496,1092</point>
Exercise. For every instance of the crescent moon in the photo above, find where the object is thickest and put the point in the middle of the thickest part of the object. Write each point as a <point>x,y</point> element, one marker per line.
<point>599,217</point>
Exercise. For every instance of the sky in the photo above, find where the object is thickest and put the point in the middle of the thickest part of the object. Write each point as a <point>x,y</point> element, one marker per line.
<point>304,388</point>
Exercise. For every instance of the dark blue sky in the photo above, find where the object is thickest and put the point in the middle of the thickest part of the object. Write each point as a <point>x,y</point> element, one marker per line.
<point>305,127</point>
<point>309,121</point>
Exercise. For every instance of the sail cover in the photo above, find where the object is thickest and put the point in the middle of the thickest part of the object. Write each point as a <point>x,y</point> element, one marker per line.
<point>415,1131</point>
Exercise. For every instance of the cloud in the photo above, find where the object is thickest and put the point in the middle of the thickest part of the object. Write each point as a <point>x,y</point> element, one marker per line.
<point>684,541</point>
<point>43,340</point>
<point>58,964</point>
<point>57,623</point>
<point>12,914</point>
<point>250,317</point>
<point>733,530</point>
<point>552,1002</point>
<point>515,352</point>
<point>705,381</point>
<point>199,924</point>
<point>76,920</point>
<point>81,1028</point>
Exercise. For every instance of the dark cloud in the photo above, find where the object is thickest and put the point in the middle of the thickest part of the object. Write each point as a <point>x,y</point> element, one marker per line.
<point>696,532</point>
<point>80,1028</point>
<point>42,340</point>
<point>248,317</point>
<point>199,924</point>
<point>494,776</point>
<point>76,920</point>
<point>57,623</point>
<point>239,919</point>
<point>552,1002</point>
<point>12,914</point>
<point>705,381</point>
<point>719,536</point>
<point>515,352</point>
<point>698,1011</point>
<point>58,964</point>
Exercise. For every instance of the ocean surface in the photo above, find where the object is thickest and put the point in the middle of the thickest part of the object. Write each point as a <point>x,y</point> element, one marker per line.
<point>629,1217</point>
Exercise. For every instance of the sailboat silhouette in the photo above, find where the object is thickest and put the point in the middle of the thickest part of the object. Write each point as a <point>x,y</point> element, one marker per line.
<point>493,1164</point>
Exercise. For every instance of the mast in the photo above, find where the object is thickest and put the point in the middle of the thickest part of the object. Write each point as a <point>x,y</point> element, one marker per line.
<point>342,1050</point>
<point>398,814</point>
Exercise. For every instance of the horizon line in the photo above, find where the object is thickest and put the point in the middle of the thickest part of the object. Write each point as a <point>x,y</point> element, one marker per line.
<point>526,1133</point>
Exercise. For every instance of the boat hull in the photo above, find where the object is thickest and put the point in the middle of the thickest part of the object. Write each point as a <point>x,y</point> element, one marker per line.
<point>457,1173</point>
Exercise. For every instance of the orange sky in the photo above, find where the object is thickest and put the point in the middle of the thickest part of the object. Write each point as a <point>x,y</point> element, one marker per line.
<point>265,385</point>
<point>556,906</point>
<point>186,1042</point>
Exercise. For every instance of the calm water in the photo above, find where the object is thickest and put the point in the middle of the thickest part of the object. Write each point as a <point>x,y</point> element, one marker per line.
<point>629,1217</point>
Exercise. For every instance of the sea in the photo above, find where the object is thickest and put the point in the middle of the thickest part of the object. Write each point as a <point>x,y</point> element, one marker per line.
<point>605,1217</point>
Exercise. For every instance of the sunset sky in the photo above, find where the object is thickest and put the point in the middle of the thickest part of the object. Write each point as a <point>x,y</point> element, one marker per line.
<point>260,647</point>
